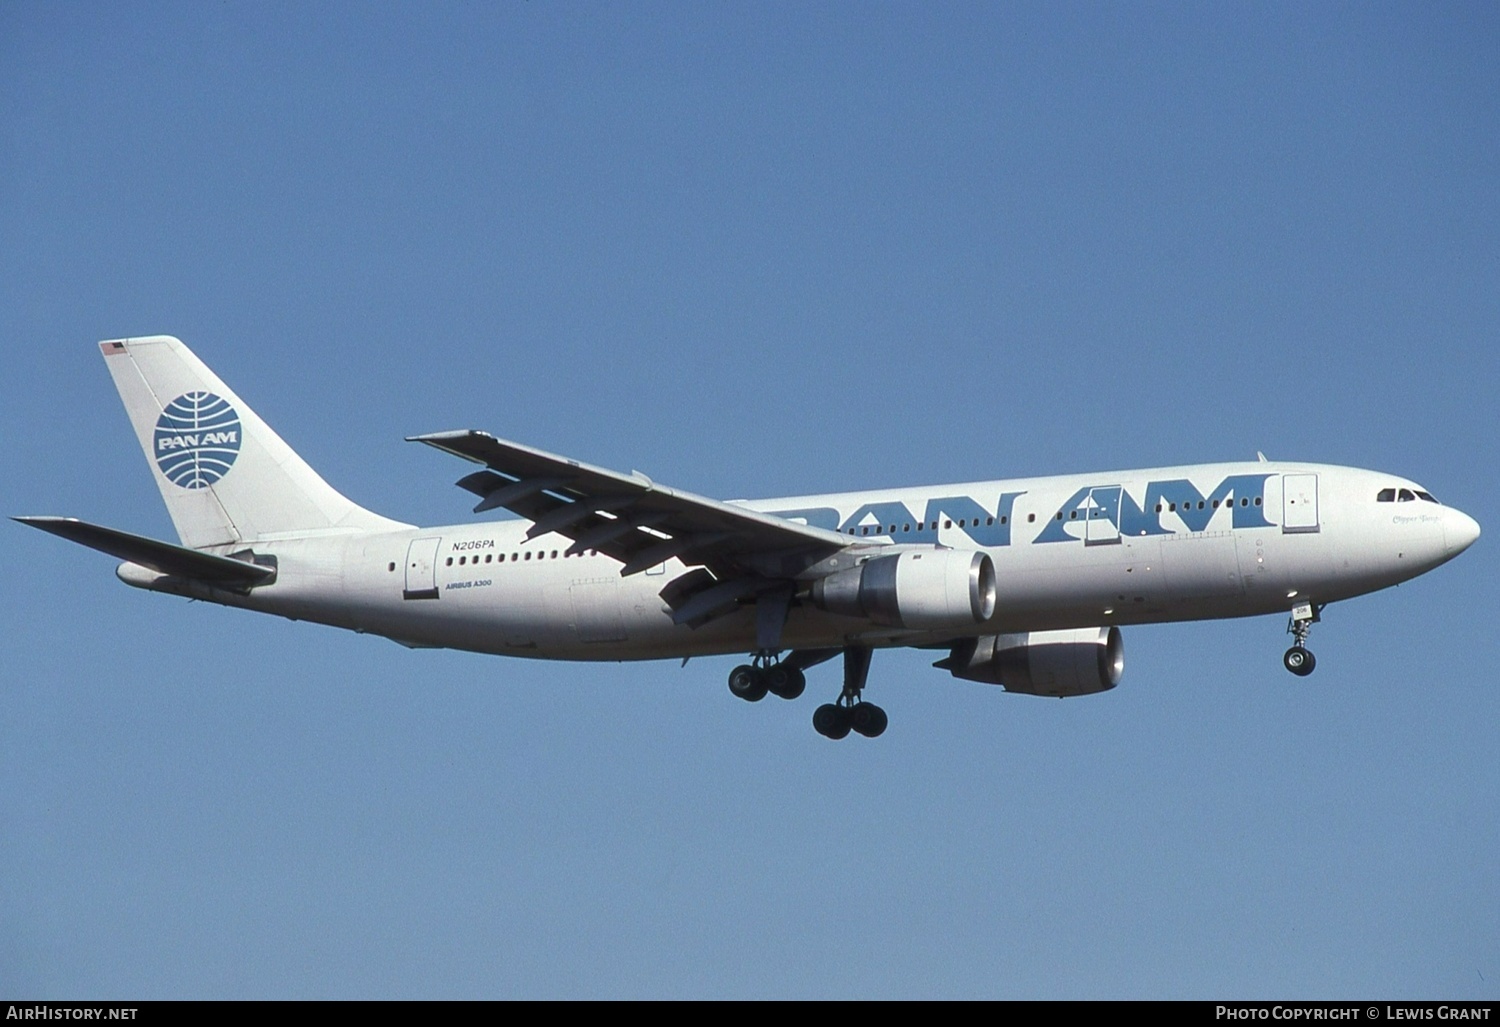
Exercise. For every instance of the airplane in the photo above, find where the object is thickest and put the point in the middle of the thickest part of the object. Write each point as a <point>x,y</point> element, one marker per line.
<point>1021,583</point>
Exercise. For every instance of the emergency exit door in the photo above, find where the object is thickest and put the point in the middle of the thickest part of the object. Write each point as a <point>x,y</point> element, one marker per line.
<point>1101,526</point>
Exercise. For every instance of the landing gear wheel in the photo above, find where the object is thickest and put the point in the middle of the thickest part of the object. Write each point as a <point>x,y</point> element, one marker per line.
<point>1299,661</point>
<point>831,721</point>
<point>775,678</point>
<point>748,683</point>
<point>868,719</point>
<point>785,682</point>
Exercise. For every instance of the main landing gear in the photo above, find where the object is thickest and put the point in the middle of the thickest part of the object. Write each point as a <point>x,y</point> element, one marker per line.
<point>850,712</point>
<point>1299,659</point>
<point>766,675</point>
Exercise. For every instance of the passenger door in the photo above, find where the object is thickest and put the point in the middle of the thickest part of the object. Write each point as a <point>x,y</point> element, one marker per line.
<point>421,569</point>
<point>1299,503</point>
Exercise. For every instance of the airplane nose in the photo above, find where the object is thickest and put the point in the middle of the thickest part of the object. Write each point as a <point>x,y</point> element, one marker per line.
<point>1459,531</point>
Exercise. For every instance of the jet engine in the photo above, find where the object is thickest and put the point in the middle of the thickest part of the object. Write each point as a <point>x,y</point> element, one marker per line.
<point>931,588</point>
<point>1053,663</point>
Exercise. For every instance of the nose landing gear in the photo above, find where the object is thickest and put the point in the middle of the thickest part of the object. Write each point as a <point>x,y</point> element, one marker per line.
<point>1299,659</point>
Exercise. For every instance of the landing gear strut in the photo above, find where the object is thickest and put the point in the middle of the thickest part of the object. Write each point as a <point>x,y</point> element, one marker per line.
<point>766,674</point>
<point>1299,659</point>
<point>850,711</point>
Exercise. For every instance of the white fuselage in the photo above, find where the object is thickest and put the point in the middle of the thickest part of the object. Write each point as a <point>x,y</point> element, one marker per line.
<point>1170,544</point>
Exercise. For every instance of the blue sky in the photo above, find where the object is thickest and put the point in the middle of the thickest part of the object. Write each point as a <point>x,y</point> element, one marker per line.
<point>751,250</point>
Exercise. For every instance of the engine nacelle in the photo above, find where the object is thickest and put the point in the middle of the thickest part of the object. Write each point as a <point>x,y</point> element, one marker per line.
<point>1054,663</point>
<point>931,588</point>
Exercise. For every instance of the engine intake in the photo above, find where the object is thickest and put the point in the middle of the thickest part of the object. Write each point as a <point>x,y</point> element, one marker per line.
<point>1053,663</point>
<point>935,588</point>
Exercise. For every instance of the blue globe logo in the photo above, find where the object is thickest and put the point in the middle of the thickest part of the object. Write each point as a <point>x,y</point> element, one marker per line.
<point>197,439</point>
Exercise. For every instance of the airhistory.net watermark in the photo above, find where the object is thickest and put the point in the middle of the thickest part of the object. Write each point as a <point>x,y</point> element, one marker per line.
<point>44,1011</point>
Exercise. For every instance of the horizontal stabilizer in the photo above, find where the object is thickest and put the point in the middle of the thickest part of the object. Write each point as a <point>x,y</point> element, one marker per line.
<point>162,557</point>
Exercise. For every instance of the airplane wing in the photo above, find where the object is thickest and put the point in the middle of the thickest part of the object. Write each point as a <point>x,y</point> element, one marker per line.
<point>635,520</point>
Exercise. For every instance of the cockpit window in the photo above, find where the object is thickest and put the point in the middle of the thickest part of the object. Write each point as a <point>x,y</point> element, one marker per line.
<point>1405,496</point>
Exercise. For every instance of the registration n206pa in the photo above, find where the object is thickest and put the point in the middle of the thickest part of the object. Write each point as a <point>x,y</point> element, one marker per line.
<point>1018,583</point>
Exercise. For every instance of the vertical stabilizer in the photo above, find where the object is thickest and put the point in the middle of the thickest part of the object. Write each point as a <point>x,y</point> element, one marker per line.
<point>225,475</point>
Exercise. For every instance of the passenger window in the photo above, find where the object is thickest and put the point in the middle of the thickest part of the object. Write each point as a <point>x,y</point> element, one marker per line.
<point>392,567</point>
<point>450,561</point>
